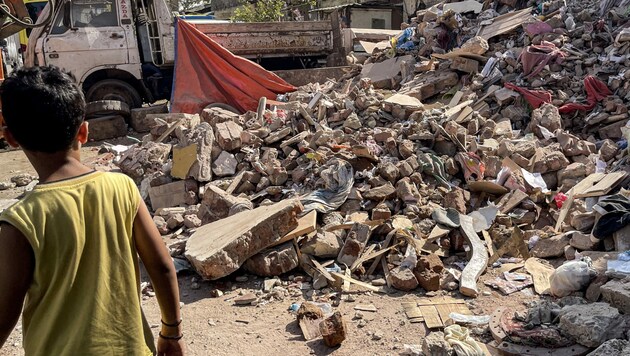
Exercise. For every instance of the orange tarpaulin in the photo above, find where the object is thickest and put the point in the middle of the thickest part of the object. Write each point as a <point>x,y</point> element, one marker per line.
<point>206,73</point>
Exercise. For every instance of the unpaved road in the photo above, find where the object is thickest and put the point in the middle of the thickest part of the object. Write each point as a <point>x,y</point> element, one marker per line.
<point>214,326</point>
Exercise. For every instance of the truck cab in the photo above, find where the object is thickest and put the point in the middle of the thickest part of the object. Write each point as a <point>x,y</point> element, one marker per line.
<point>116,49</point>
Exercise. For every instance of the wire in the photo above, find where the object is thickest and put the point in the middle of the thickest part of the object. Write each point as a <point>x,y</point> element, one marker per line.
<point>7,11</point>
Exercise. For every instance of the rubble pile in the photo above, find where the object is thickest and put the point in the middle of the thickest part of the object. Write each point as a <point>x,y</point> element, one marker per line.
<point>487,138</point>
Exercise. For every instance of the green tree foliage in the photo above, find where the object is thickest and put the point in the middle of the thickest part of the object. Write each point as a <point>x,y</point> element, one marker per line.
<point>267,10</point>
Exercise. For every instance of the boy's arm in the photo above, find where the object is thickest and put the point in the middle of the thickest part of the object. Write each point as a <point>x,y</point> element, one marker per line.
<point>16,273</point>
<point>159,265</point>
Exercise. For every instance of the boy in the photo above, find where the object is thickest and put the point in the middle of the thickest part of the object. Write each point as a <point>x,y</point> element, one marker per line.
<point>68,248</point>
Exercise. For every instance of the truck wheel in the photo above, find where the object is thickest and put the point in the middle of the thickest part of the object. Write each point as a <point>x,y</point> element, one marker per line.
<point>107,108</point>
<point>114,89</point>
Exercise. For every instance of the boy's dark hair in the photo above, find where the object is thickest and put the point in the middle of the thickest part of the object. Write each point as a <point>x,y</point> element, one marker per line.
<point>43,108</point>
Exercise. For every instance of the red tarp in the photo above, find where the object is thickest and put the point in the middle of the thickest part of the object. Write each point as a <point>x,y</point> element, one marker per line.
<point>206,73</point>
<point>596,90</point>
<point>535,98</point>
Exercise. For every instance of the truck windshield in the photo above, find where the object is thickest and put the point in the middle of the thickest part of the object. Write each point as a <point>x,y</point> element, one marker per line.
<point>89,13</point>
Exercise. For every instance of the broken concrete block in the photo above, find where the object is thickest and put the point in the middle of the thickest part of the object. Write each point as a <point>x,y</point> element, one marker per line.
<point>355,242</point>
<point>383,74</point>
<point>593,292</point>
<point>324,245</point>
<point>402,278</point>
<point>612,347</point>
<point>214,116</point>
<point>617,294</point>
<point>217,249</point>
<point>465,65</point>
<point>550,247</point>
<point>168,195</point>
<point>505,96</point>
<point>107,127</point>
<point>228,135</point>
<point>139,120</point>
<point>333,330</point>
<point>612,131</point>
<point>546,116</point>
<point>389,172</point>
<point>428,271</point>
<point>386,191</point>
<point>175,221</point>
<point>434,344</point>
<point>381,212</point>
<point>608,150</point>
<point>278,135</point>
<point>224,165</point>
<point>592,324</point>
<point>456,199</point>
<point>192,221</point>
<point>274,261</point>
<point>139,161</point>
<point>584,242</point>
<point>426,85</point>
<point>202,137</point>
<point>160,224</point>
<point>217,204</point>
<point>406,191</point>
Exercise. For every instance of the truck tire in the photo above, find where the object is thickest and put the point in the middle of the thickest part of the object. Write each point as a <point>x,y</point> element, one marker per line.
<point>114,89</point>
<point>101,108</point>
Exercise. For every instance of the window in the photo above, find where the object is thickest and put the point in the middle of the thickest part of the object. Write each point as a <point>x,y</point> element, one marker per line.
<point>378,23</point>
<point>88,13</point>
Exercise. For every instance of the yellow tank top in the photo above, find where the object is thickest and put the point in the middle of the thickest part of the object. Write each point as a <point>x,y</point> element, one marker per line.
<point>84,298</point>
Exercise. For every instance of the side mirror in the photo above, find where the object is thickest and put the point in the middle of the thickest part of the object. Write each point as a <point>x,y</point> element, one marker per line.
<point>67,16</point>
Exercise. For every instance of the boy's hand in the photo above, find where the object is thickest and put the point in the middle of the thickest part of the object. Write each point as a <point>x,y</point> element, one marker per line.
<point>167,347</point>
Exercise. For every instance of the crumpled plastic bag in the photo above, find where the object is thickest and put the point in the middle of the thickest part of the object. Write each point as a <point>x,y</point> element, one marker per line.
<point>459,338</point>
<point>339,179</point>
<point>572,276</point>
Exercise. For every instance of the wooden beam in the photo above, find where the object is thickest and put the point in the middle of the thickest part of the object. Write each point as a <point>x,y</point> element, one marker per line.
<point>386,243</point>
<point>357,282</point>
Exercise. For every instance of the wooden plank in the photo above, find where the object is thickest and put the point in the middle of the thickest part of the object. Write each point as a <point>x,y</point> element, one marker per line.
<point>170,130</point>
<point>386,243</point>
<point>456,99</point>
<point>322,270</point>
<point>354,281</point>
<point>464,114</point>
<point>515,198</point>
<point>347,226</point>
<point>440,300</point>
<point>505,23</point>
<point>235,182</point>
<point>346,283</point>
<point>541,272</point>
<point>306,225</point>
<point>445,309</point>
<point>489,243</point>
<point>411,310</point>
<point>603,186</point>
<point>579,188</point>
<point>477,263</point>
<point>457,108</point>
<point>431,316</point>
<point>366,307</point>
<point>359,261</point>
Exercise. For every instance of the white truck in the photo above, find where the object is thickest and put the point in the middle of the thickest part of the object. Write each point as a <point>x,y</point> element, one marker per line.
<point>124,49</point>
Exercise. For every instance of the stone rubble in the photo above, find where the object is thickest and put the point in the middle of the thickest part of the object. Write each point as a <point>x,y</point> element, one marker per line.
<point>446,122</point>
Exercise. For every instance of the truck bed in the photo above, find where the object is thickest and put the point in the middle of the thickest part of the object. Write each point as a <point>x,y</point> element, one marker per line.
<point>272,39</point>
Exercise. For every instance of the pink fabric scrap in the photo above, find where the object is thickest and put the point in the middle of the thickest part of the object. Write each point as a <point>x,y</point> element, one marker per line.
<point>536,57</point>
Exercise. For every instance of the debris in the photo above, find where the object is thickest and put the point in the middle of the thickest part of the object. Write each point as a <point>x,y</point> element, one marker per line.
<point>541,272</point>
<point>274,261</point>
<point>435,344</point>
<point>592,324</point>
<point>309,316</point>
<point>333,330</point>
<point>220,248</point>
<point>617,294</point>
<point>571,276</point>
<point>478,262</point>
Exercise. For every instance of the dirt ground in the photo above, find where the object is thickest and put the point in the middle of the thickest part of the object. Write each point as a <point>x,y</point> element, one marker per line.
<point>215,326</point>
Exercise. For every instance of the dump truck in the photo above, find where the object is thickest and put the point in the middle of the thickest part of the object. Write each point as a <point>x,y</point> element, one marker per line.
<point>14,17</point>
<point>124,50</point>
